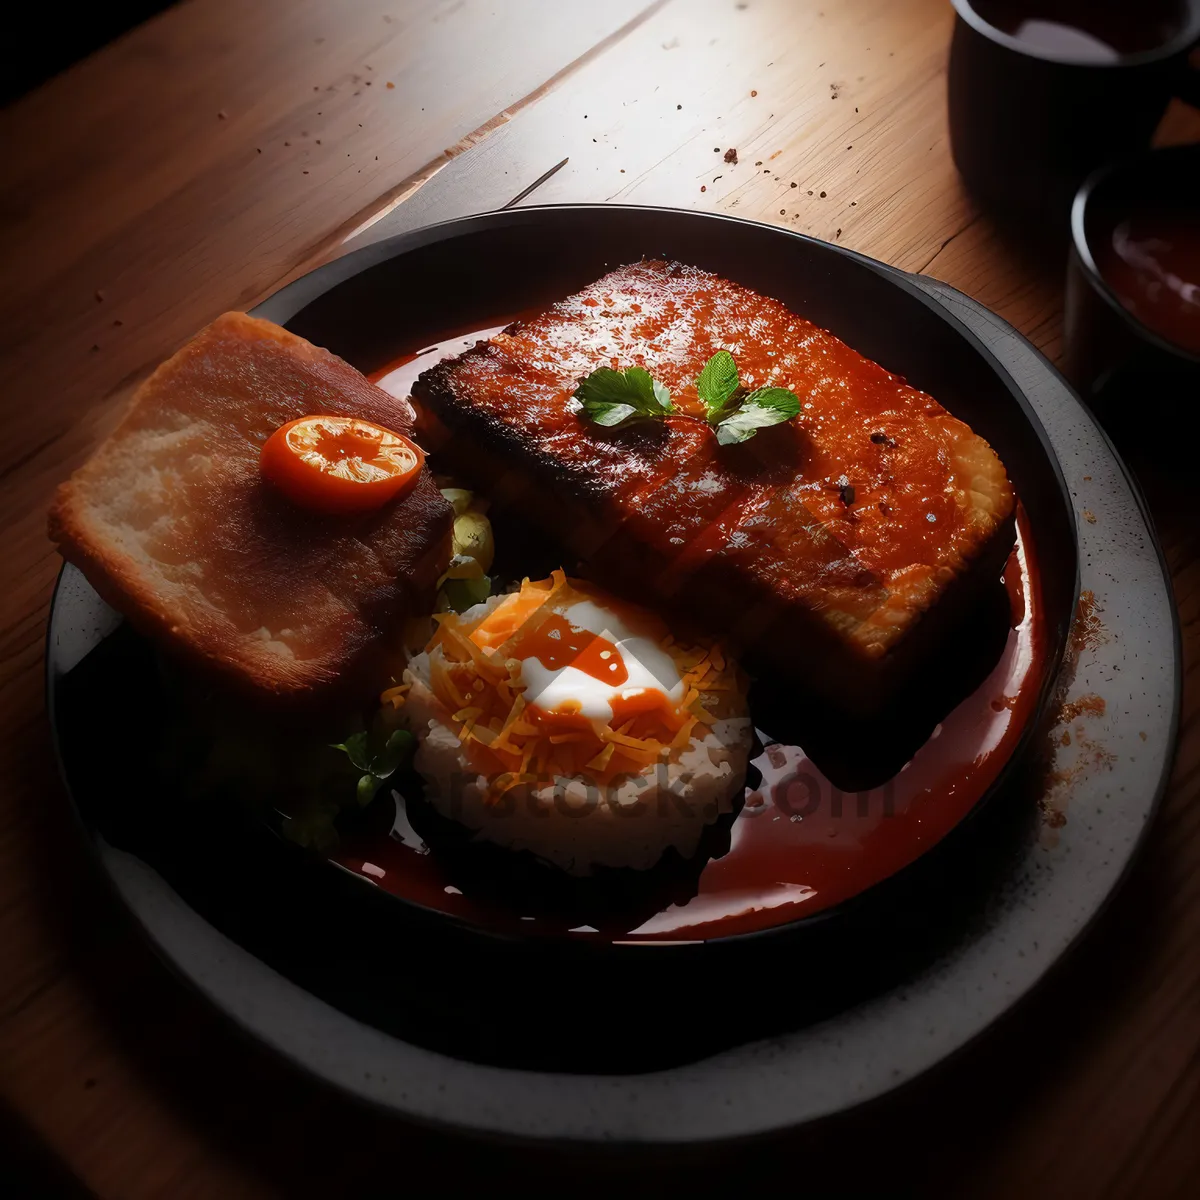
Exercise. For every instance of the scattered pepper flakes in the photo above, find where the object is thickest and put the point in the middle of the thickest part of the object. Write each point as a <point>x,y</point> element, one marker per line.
<point>759,163</point>
<point>305,172</point>
<point>258,149</point>
<point>716,149</point>
<point>731,156</point>
<point>838,233</point>
<point>822,195</point>
<point>853,203</point>
<point>678,107</point>
<point>1089,516</point>
<point>753,93</point>
<point>704,187</point>
<point>795,185</point>
<point>390,84</point>
<point>783,212</point>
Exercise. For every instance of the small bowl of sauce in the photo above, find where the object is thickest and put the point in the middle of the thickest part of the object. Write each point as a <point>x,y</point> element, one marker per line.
<point>1132,321</point>
<point>1151,262</point>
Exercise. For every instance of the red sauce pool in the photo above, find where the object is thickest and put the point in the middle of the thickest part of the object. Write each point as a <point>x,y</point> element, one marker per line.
<point>1151,260</point>
<point>799,844</point>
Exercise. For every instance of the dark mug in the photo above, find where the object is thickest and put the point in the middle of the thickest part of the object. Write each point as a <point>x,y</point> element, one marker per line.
<point>1132,319</point>
<point>1042,92</point>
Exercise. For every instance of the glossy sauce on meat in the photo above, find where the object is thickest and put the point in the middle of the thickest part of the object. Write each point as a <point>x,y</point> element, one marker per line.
<point>859,421</point>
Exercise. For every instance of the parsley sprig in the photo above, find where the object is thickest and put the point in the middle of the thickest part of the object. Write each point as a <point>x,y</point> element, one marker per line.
<point>611,397</point>
<point>737,413</point>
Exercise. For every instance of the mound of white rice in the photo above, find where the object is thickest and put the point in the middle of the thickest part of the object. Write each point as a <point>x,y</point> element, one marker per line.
<point>575,823</point>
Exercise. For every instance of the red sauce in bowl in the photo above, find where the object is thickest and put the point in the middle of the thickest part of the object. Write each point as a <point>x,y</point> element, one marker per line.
<point>1151,261</point>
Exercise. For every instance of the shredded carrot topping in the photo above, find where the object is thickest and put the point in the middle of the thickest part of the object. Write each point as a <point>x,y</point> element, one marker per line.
<point>475,673</point>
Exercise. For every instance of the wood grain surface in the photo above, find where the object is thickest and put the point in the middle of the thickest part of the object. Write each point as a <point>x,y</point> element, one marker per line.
<point>224,148</point>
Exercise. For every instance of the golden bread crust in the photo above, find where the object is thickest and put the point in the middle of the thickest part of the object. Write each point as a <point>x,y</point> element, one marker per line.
<point>172,523</point>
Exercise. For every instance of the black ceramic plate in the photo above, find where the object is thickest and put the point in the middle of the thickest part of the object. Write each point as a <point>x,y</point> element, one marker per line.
<point>192,885</point>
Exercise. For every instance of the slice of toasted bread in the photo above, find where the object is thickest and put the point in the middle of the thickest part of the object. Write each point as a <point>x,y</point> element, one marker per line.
<point>173,524</point>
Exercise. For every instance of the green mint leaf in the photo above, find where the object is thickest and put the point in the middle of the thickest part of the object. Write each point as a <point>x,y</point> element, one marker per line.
<point>782,400</point>
<point>356,750</point>
<point>763,407</point>
<point>368,785</point>
<point>606,414</point>
<point>394,752</point>
<point>610,397</point>
<point>717,384</point>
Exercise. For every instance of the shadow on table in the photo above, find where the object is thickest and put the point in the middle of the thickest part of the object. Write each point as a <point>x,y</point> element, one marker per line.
<point>27,1166</point>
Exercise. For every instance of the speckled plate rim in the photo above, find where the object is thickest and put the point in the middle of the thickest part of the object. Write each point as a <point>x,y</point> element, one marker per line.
<point>858,1055</point>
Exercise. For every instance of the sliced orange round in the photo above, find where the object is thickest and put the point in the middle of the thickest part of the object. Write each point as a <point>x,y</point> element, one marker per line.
<point>340,464</point>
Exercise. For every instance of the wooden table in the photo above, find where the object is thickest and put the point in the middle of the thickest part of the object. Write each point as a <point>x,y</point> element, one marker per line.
<point>222,149</point>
